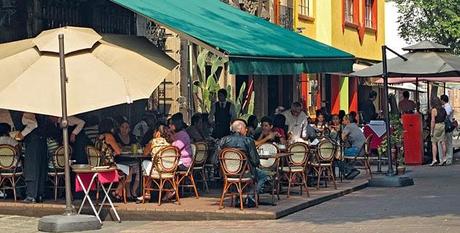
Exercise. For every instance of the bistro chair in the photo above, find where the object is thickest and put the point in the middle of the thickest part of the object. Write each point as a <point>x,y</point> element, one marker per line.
<point>199,162</point>
<point>56,174</point>
<point>10,172</point>
<point>164,170</point>
<point>297,166</point>
<point>271,167</point>
<point>323,163</point>
<point>94,156</point>
<point>362,156</point>
<point>236,171</point>
<point>182,176</point>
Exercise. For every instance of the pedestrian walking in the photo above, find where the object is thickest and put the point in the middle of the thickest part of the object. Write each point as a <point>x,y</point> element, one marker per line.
<point>450,117</point>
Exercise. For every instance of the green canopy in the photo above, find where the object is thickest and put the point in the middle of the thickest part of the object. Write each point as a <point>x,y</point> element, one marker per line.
<point>253,45</point>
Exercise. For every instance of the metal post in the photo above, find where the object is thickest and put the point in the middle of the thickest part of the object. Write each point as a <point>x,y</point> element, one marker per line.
<point>69,209</point>
<point>190,101</point>
<point>417,101</point>
<point>386,110</point>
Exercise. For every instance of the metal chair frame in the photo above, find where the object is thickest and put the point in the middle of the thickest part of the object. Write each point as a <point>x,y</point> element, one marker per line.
<point>272,166</point>
<point>199,162</point>
<point>363,156</point>
<point>292,172</point>
<point>9,172</point>
<point>58,169</point>
<point>182,176</point>
<point>324,162</point>
<point>236,176</point>
<point>165,174</point>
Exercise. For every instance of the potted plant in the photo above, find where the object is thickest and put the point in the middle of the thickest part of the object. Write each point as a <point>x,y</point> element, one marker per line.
<point>396,142</point>
<point>401,166</point>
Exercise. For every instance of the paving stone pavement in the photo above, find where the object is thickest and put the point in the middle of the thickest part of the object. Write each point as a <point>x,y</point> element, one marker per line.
<point>431,205</point>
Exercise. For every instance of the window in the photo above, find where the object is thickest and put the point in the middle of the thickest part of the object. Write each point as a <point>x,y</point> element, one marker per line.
<point>306,8</point>
<point>349,11</point>
<point>369,14</point>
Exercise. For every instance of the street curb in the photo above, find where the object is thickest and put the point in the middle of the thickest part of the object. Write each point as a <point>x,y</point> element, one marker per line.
<point>319,200</point>
<point>141,214</point>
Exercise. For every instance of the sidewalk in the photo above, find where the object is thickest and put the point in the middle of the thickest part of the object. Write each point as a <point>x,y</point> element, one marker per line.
<point>204,208</point>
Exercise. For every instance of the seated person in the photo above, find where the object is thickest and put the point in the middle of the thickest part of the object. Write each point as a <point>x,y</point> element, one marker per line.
<point>253,129</point>
<point>279,125</point>
<point>268,134</point>
<point>336,128</point>
<point>110,149</point>
<point>181,140</point>
<point>320,123</point>
<point>124,137</point>
<point>159,141</point>
<point>6,139</point>
<point>355,137</point>
<point>194,130</point>
<point>239,140</point>
<point>308,133</point>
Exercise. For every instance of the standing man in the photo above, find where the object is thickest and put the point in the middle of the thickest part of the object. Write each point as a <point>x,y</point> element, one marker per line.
<point>406,105</point>
<point>368,108</point>
<point>296,120</point>
<point>450,116</point>
<point>33,128</point>
<point>222,113</point>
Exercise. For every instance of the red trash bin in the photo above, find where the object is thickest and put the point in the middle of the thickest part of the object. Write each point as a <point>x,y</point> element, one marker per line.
<point>413,139</point>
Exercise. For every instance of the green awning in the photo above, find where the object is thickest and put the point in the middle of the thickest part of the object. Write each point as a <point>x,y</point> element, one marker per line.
<point>253,45</point>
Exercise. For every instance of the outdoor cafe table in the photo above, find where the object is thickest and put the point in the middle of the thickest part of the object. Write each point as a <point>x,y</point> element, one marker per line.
<point>139,158</point>
<point>278,157</point>
<point>86,180</point>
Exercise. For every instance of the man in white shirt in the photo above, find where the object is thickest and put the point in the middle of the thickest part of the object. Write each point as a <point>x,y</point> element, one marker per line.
<point>450,115</point>
<point>296,120</point>
<point>36,158</point>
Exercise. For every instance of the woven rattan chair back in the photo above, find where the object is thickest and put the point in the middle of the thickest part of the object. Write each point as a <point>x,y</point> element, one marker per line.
<point>7,157</point>
<point>233,162</point>
<point>326,151</point>
<point>59,158</point>
<point>94,156</point>
<point>300,154</point>
<point>167,160</point>
<point>272,150</point>
<point>201,154</point>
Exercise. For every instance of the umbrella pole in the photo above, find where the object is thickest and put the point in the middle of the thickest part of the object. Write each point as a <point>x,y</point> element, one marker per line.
<point>69,209</point>
<point>386,110</point>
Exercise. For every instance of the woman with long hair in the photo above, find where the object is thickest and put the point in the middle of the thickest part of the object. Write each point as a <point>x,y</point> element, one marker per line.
<point>438,133</point>
<point>110,149</point>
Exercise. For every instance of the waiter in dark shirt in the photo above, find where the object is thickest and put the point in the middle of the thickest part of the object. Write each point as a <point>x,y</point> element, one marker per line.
<point>222,113</point>
<point>368,108</point>
<point>33,132</point>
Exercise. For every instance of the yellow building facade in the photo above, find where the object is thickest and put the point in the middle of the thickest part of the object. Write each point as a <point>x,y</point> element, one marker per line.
<point>354,26</point>
<point>327,21</point>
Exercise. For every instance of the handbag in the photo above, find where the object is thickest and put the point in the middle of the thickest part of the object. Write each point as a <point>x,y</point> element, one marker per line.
<point>450,126</point>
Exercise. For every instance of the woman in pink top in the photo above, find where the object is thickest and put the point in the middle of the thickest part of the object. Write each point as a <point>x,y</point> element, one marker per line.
<point>182,141</point>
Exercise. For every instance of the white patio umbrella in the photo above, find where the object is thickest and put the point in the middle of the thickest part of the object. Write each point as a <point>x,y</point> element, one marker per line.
<point>99,73</point>
<point>71,70</point>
